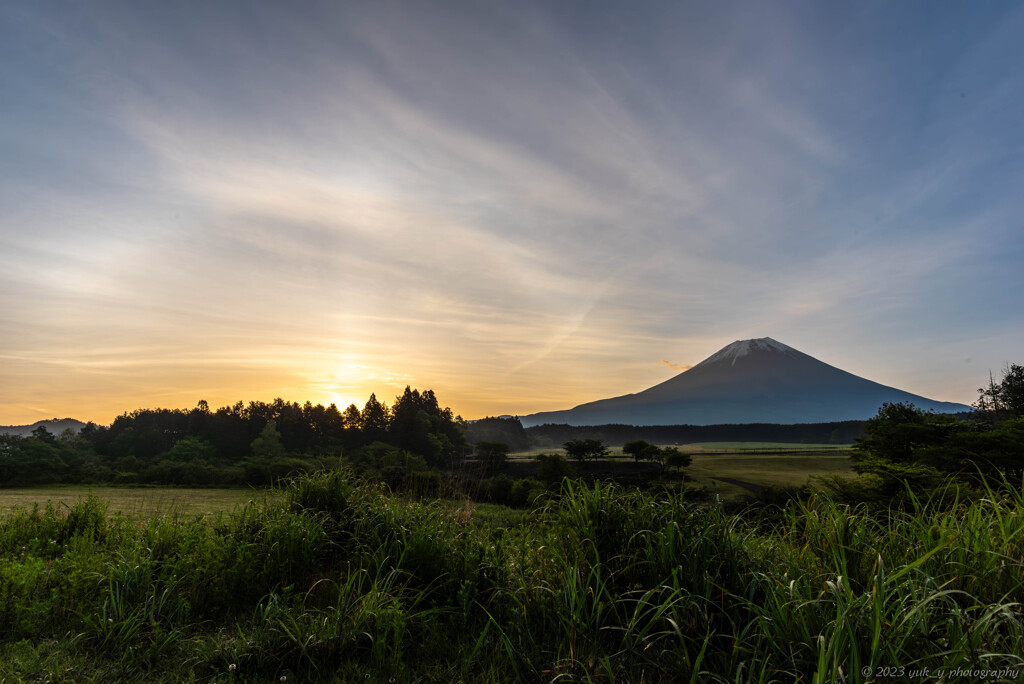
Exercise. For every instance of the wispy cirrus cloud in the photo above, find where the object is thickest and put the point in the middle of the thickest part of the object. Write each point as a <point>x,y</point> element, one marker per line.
<point>521,198</point>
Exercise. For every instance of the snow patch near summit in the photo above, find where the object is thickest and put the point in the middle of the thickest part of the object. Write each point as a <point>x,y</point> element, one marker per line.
<point>744,347</point>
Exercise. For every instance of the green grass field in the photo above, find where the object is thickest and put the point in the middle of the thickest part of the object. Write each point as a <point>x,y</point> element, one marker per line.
<point>761,446</point>
<point>716,447</point>
<point>763,470</point>
<point>760,464</point>
<point>337,581</point>
<point>137,501</point>
<point>757,464</point>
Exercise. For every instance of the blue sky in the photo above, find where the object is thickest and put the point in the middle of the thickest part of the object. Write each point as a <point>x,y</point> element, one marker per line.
<point>523,206</point>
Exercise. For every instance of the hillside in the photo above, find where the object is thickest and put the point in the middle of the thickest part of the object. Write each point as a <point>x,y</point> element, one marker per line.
<point>55,426</point>
<point>748,381</point>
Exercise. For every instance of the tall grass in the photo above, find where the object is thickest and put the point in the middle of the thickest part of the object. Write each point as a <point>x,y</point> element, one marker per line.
<point>339,581</point>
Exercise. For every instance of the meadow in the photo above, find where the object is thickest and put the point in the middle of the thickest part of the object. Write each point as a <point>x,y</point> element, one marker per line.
<point>136,501</point>
<point>716,466</point>
<point>733,470</point>
<point>337,580</point>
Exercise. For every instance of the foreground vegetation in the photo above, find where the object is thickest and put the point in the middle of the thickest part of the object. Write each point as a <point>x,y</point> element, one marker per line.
<point>339,581</point>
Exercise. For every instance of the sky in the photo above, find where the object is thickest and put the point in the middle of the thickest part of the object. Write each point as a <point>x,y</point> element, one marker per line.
<point>522,206</point>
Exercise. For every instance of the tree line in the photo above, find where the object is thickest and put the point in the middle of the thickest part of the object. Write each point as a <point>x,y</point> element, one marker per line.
<point>840,432</point>
<point>909,454</point>
<point>253,443</point>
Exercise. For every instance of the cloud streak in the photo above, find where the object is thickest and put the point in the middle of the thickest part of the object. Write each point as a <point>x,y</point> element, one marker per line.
<point>497,197</point>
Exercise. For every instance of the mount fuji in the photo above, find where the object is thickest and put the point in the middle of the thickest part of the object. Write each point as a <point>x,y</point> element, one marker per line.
<point>748,381</point>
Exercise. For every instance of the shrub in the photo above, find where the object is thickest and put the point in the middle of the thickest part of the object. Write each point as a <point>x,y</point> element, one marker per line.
<point>493,456</point>
<point>553,469</point>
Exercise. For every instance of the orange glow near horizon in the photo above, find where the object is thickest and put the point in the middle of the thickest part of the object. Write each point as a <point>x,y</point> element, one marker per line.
<point>101,389</point>
<point>103,410</point>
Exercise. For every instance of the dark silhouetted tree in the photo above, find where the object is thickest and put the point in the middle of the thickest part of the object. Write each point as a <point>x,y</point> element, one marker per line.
<point>374,419</point>
<point>493,456</point>
<point>43,435</point>
<point>351,418</point>
<point>507,430</point>
<point>191,449</point>
<point>268,445</point>
<point>553,469</point>
<point>896,433</point>
<point>420,425</point>
<point>1004,399</point>
<point>640,450</point>
<point>674,458</point>
<point>585,449</point>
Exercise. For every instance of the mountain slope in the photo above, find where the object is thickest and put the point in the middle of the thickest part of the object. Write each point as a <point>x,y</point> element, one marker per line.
<point>54,425</point>
<point>748,381</point>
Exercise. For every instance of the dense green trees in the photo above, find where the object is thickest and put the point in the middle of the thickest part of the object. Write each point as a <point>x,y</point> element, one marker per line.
<point>906,448</point>
<point>374,419</point>
<point>903,442</point>
<point>420,425</point>
<point>585,449</point>
<point>507,430</point>
<point>674,458</point>
<point>553,469</point>
<point>670,457</point>
<point>1005,399</point>
<point>638,449</point>
<point>44,458</point>
<point>255,443</point>
<point>268,445</point>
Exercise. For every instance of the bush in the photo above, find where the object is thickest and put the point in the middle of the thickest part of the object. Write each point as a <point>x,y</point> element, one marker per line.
<point>492,456</point>
<point>87,518</point>
<point>553,469</point>
<point>496,489</point>
<point>525,492</point>
<point>373,459</point>
<point>321,492</point>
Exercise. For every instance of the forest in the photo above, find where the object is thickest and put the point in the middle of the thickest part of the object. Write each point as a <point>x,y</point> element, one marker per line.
<point>254,444</point>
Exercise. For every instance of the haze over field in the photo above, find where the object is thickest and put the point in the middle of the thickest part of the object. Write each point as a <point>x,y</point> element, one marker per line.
<point>523,206</point>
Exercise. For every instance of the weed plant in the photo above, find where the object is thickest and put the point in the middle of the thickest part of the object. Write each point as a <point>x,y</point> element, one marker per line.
<point>342,581</point>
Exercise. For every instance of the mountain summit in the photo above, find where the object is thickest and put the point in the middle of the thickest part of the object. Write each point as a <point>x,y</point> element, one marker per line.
<point>740,348</point>
<point>748,381</point>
